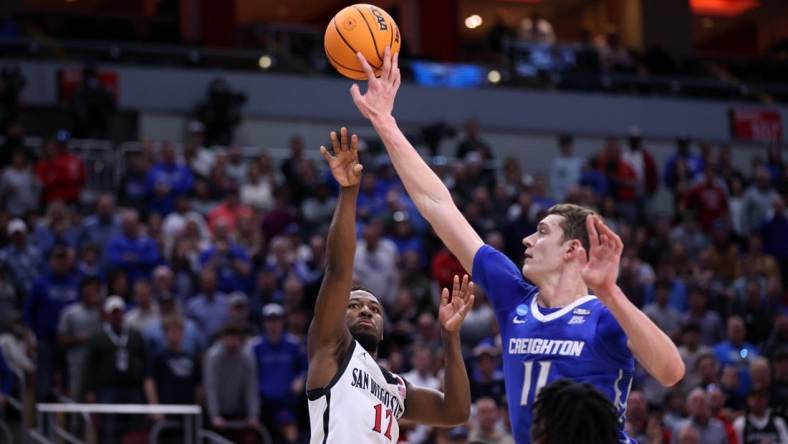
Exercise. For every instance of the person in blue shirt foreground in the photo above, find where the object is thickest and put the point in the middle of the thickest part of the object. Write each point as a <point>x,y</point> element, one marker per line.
<point>551,327</point>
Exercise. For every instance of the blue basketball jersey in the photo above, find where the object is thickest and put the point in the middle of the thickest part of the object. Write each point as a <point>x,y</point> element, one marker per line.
<point>581,342</point>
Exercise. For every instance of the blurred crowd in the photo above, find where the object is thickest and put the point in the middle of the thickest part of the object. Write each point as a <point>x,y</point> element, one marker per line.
<point>194,280</point>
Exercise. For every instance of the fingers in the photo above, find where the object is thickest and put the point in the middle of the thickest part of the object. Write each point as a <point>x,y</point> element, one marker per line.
<point>455,292</point>
<point>395,63</point>
<point>354,143</point>
<point>593,236</point>
<point>367,69</point>
<point>613,239</point>
<point>343,139</point>
<point>386,75</point>
<point>465,288</point>
<point>467,307</point>
<point>357,168</point>
<point>355,93</point>
<point>445,297</point>
<point>335,142</point>
<point>324,152</point>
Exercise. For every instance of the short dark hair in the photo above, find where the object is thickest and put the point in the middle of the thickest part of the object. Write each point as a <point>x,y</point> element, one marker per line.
<point>571,412</point>
<point>574,223</point>
<point>362,288</point>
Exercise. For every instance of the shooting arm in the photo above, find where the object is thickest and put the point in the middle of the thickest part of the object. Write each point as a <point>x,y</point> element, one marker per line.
<point>428,192</point>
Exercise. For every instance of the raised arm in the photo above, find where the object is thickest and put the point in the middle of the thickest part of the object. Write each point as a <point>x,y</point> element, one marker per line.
<point>650,345</point>
<point>430,195</point>
<point>328,335</point>
<point>431,407</point>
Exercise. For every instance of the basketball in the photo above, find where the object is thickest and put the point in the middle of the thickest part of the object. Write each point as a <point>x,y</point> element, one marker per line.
<point>360,28</point>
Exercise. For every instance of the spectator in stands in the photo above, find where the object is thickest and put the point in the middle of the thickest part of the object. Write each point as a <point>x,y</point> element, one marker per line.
<point>777,337</point>
<point>708,200</point>
<point>57,228</point>
<point>209,308</point>
<point>735,351</point>
<point>757,319</point>
<point>646,175</point>
<point>710,430</point>
<point>488,429</point>
<point>131,250</point>
<point>565,170</point>
<point>220,112</point>
<point>637,416</point>
<point>486,379</point>
<point>230,381</point>
<point>621,179</point>
<point>473,142</point>
<point>709,321</point>
<point>22,259</point>
<point>117,358</point>
<point>101,226</point>
<point>759,424</point>
<point>173,376</point>
<point>615,57</point>
<point>77,324</point>
<point>691,349</point>
<point>282,215</point>
<point>167,180</point>
<point>51,293</point>
<point>62,173</point>
<point>375,264</point>
<point>775,235</point>
<point>716,398</point>
<point>281,367</point>
<point>779,398</point>
<point>691,164</point>
<point>146,310</point>
<point>175,223</point>
<point>92,106</point>
<point>229,259</point>
<point>229,211</point>
<point>131,190</point>
<point>758,201</point>
<point>257,190</point>
<point>235,166</point>
<point>20,188</point>
<point>155,335</point>
<point>666,317</point>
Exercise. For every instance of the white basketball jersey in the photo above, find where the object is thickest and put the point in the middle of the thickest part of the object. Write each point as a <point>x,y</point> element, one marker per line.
<point>361,405</point>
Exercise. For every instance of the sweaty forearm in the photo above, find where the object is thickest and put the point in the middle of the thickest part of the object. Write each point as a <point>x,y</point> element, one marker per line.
<point>651,346</point>
<point>422,184</point>
<point>457,388</point>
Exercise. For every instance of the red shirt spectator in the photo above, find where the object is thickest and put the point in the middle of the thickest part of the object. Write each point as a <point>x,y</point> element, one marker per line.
<point>62,174</point>
<point>708,200</point>
<point>229,211</point>
<point>444,267</point>
<point>621,177</point>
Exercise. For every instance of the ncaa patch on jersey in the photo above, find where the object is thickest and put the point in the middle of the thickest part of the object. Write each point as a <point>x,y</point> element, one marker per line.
<point>581,311</point>
<point>521,310</point>
<point>577,320</point>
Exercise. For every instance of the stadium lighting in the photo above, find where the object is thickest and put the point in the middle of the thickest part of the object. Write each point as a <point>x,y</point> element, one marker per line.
<point>494,76</point>
<point>473,21</point>
<point>265,62</point>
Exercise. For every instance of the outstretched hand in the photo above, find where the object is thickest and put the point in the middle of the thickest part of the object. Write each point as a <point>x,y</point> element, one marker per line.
<point>378,101</point>
<point>455,306</point>
<point>600,268</point>
<point>344,162</point>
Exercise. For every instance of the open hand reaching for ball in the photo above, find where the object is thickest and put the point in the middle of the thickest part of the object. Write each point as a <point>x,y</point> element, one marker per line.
<point>344,162</point>
<point>378,101</point>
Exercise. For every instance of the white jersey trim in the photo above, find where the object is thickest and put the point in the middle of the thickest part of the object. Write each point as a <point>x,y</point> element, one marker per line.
<point>555,315</point>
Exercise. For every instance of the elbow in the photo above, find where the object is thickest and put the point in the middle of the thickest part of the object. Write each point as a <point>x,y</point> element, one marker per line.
<point>672,373</point>
<point>458,416</point>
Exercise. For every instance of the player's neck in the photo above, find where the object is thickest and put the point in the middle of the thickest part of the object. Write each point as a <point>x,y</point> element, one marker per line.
<point>561,289</point>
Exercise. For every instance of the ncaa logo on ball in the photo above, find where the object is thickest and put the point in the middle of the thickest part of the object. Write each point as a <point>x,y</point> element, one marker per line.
<point>379,17</point>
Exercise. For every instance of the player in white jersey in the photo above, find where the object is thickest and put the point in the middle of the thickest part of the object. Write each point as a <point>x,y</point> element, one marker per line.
<point>351,398</point>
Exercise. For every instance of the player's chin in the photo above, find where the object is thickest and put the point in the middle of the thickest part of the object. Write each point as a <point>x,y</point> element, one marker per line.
<point>367,337</point>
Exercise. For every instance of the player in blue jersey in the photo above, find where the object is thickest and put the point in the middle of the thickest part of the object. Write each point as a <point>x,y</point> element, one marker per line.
<point>551,327</point>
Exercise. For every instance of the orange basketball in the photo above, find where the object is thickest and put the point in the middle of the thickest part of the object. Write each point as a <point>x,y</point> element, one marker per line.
<point>364,28</point>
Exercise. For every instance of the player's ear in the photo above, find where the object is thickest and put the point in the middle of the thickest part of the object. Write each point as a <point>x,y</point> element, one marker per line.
<point>573,246</point>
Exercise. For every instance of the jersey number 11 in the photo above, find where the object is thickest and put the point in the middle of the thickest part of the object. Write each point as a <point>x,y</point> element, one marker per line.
<point>541,379</point>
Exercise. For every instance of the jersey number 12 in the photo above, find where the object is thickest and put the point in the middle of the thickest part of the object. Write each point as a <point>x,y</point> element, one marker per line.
<point>541,379</point>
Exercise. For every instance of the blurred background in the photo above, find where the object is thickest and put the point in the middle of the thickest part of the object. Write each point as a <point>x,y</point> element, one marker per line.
<point>159,176</point>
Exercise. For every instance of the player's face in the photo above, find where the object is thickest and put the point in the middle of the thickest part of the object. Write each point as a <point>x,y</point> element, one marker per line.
<point>545,249</point>
<point>365,318</point>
